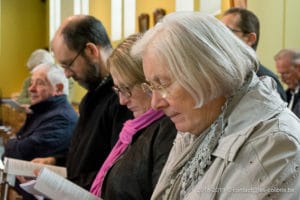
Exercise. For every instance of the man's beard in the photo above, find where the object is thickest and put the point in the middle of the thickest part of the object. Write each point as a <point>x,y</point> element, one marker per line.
<point>92,76</point>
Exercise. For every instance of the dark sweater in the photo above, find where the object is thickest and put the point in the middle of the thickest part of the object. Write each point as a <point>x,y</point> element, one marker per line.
<point>100,122</point>
<point>136,172</point>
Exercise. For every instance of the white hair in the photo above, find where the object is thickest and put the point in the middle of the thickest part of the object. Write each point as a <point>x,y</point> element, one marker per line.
<point>292,55</point>
<point>39,56</point>
<point>203,55</point>
<point>55,74</point>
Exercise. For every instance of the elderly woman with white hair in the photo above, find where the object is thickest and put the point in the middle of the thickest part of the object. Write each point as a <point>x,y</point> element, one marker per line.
<point>236,137</point>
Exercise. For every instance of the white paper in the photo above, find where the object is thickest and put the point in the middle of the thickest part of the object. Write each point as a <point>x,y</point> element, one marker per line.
<point>29,187</point>
<point>13,103</point>
<point>57,187</point>
<point>26,168</point>
<point>1,165</point>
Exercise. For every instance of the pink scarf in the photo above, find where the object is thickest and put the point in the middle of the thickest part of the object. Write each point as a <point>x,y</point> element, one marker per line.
<point>128,131</point>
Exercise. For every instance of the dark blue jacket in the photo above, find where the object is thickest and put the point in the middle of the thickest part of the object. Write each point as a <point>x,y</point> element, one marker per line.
<point>296,105</point>
<point>263,71</point>
<point>46,132</point>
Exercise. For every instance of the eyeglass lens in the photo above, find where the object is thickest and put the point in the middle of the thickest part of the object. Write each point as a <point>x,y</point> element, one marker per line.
<point>125,91</point>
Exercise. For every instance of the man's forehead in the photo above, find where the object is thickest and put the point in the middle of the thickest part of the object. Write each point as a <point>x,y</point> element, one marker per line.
<point>233,18</point>
<point>57,43</point>
<point>59,49</point>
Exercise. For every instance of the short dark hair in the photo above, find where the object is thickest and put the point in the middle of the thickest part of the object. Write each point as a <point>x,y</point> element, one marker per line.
<point>248,22</point>
<point>83,30</point>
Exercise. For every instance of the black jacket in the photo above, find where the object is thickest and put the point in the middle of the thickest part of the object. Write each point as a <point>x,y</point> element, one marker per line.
<point>136,172</point>
<point>100,122</point>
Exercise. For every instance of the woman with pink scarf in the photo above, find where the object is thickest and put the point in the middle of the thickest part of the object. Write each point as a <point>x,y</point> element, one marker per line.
<point>133,167</point>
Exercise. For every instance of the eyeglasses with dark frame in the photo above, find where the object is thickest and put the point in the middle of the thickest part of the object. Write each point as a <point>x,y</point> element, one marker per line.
<point>235,30</point>
<point>125,91</point>
<point>68,66</point>
<point>238,31</point>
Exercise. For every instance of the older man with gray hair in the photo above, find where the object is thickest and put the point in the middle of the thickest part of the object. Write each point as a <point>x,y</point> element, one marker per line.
<point>36,58</point>
<point>288,66</point>
<point>49,126</point>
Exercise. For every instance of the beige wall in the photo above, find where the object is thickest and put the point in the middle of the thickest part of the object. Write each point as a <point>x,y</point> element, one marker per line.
<point>292,24</point>
<point>279,27</point>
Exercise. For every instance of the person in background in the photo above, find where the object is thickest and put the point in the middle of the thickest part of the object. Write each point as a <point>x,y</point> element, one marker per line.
<point>288,66</point>
<point>37,57</point>
<point>245,25</point>
<point>133,166</point>
<point>49,126</point>
<point>236,137</point>
<point>81,45</point>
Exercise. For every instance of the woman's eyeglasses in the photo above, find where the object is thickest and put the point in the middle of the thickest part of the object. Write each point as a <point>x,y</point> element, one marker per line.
<point>125,91</point>
<point>148,88</point>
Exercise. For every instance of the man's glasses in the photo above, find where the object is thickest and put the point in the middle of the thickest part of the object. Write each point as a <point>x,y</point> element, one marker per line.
<point>235,30</point>
<point>125,91</point>
<point>238,31</point>
<point>73,60</point>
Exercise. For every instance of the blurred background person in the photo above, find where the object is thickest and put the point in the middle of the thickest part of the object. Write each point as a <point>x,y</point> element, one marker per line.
<point>288,66</point>
<point>133,166</point>
<point>49,126</point>
<point>37,57</point>
<point>234,130</point>
<point>245,25</point>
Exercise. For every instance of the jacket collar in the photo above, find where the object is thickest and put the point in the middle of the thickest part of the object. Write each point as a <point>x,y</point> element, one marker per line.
<point>260,103</point>
<point>44,105</point>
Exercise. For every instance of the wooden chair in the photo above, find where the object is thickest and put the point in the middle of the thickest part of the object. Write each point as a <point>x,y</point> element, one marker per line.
<point>12,120</point>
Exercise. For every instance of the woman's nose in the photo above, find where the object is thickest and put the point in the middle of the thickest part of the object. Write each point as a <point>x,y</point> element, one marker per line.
<point>157,101</point>
<point>122,99</point>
